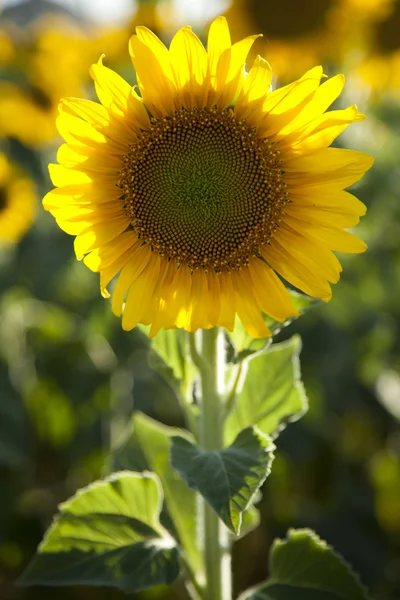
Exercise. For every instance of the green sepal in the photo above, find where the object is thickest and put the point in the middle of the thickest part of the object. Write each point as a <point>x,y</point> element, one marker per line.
<point>228,479</point>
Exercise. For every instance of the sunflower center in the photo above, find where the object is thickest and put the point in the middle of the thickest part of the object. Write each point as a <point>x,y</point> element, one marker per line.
<point>201,188</point>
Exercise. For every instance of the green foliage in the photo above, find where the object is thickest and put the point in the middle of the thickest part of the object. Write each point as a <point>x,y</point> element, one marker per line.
<point>154,440</point>
<point>169,357</point>
<point>14,446</point>
<point>227,479</point>
<point>170,345</point>
<point>272,393</point>
<point>303,304</point>
<point>52,412</point>
<point>304,567</point>
<point>244,345</point>
<point>108,534</point>
<point>62,350</point>
<point>250,518</point>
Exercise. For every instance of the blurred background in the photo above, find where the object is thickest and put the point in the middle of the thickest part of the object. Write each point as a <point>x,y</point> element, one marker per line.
<point>69,376</point>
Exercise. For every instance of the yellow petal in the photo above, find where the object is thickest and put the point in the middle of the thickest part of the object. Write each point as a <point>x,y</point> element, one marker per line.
<point>321,132</point>
<point>270,293</point>
<point>89,111</point>
<point>295,272</point>
<point>182,294</point>
<point>107,274</point>
<point>228,304</point>
<point>79,132</point>
<point>321,216</point>
<point>162,315</point>
<point>175,294</point>
<point>119,97</point>
<point>72,156</point>
<point>337,166</point>
<point>60,176</point>
<point>284,104</point>
<point>80,195</point>
<point>231,70</point>
<point>73,128</point>
<point>189,65</point>
<point>153,69</point>
<point>214,294</point>
<point>219,40</point>
<point>197,312</point>
<point>101,258</point>
<point>254,88</point>
<point>141,294</point>
<point>311,253</point>
<point>329,198</point>
<point>76,219</point>
<point>128,275</point>
<point>321,100</point>
<point>98,235</point>
<point>337,240</point>
<point>247,309</point>
<point>112,90</point>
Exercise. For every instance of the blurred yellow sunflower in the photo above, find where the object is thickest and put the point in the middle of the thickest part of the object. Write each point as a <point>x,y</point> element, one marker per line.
<point>300,34</point>
<point>17,203</point>
<point>55,55</point>
<point>207,186</point>
<point>381,68</point>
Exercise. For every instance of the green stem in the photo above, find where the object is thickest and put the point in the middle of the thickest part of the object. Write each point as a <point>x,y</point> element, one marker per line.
<point>192,585</point>
<point>215,541</point>
<point>232,395</point>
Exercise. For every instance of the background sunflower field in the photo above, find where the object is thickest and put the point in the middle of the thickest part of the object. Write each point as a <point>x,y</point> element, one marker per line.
<point>69,375</point>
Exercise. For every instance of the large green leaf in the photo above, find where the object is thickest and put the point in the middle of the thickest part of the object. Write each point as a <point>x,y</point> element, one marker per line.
<point>108,534</point>
<point>169,357</point>
<point>304,567</point>
<point>155,441</point>
<point>147,447</point>
<point>272,393</point>
<point>170,345</point>
<point>228,479</point>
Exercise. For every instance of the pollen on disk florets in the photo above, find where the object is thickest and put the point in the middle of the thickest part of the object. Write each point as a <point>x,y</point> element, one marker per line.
<point>203,189</point>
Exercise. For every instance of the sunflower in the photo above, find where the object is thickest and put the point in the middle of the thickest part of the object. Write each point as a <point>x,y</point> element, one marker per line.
<point>55,55</point>
<point>17,203</point>
<point>381,68</point>
<point>207,188</point>
<point>297,35</point>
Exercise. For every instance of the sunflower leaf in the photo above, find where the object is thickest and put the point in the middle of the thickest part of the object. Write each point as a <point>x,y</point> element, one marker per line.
<point>272,393</point>
<point>228,479</point>
<point>304,567</point>
<point>250,519</point>
<point>108,534</point>
<point>146,446</point>
<point>168,356</point>
<point>155,441</point>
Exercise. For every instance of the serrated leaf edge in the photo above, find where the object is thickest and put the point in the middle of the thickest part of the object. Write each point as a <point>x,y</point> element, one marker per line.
<point>267,449</point>
<point>99,483</point>
<point>320,542</point>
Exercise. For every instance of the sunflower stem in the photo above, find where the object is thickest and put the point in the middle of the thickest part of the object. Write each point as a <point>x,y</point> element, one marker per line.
<point>214,535</point>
